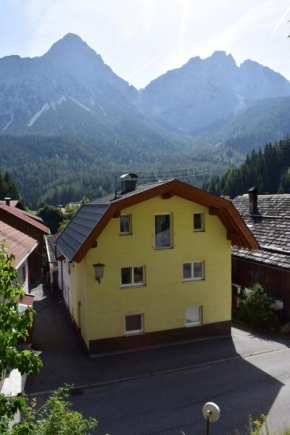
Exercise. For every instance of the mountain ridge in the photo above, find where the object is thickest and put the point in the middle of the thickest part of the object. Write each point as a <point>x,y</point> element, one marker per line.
<point>205,90</point>
<point>67,116</point>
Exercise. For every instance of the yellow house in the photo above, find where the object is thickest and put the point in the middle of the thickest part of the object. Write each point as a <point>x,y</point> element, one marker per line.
<point>150,264</point>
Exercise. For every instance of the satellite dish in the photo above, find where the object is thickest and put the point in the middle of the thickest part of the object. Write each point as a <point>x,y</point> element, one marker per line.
<point>211,412</point>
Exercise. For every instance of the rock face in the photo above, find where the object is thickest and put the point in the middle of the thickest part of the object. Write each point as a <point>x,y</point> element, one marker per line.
<point>70,90</point>
<point>69,74</point>
<point>204,91</point>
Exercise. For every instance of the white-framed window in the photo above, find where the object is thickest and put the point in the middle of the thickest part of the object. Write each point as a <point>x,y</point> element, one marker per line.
<point>198,222</point>
<point>125,224</point>
<point>132,276</point>
<point>193,271</point>
<point>134,324</point>
<point>193,316</point>
<point>22,274</point>
<point>163,231</point>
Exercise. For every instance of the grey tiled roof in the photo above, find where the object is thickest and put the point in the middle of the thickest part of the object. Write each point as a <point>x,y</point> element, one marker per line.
<point>52,251</point>
<point>79,229</point>
<point>270,226</point>
<point>84,222</point>
<point>112,198</point>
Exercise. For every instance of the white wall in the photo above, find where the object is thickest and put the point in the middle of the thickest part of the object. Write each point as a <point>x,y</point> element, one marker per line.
<point>67,270</point>
<point>60,275</point>
<point>22,276</point>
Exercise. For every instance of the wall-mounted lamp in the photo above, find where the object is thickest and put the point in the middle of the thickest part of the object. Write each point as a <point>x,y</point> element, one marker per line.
<point>99,271</point>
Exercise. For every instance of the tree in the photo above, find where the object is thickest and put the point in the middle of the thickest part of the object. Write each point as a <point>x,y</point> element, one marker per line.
<point>70,212</point>
<point>8,187</point>
<point>13,326</point>
<point>52,217</point>
<point>54,417</point>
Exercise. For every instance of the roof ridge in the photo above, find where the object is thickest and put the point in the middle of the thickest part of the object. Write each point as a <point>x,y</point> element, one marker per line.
<point>25,217</point>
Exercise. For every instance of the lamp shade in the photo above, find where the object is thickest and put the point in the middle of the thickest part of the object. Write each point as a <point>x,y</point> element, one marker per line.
<point>99,271</point>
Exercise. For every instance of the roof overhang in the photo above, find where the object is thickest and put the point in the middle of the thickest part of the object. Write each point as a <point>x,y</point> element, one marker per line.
<point>22,261</point>
<point>237,230</point>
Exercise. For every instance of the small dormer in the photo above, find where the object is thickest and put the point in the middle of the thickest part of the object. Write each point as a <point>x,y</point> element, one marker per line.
<point>128,182</point>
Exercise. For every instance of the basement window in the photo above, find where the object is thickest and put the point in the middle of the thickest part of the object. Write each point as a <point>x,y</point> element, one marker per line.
<point>134,324</point>
<point>193,316</point>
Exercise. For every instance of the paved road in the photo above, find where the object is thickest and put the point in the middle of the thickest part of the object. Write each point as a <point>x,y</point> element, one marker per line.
<point>170,402</point>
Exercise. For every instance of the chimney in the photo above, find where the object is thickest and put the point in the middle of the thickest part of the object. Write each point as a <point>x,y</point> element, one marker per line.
<point>7,200</point>
<point>128,182</point>
<point>253,200</point>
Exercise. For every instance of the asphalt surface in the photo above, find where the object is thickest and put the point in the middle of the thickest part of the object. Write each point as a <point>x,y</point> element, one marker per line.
<point>162,390</point>
<point>172,404</point>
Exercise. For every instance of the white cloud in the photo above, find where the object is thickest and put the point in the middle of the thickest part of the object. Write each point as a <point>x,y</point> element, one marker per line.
<point>142,68</point>
<point>282,19</point>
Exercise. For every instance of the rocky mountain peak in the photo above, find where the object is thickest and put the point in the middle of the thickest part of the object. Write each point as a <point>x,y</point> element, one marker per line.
<point>71,46</point>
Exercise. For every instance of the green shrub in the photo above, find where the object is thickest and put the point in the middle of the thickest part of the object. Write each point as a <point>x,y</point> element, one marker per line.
<point>255,308</point>
<point>285,329</point>
<point>55,417</point>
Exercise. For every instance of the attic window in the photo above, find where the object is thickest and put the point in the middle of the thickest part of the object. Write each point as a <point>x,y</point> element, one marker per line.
<point>125,224</point>
<point>163,231</point>
<point>198,222</point>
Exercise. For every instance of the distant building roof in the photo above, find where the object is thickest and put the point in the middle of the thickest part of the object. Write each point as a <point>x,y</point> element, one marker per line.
<point>270,224</point>
<point>19,243</point>
<point>33,216</point>
<point>51,248</point>
<point>13,202</point>
<point>83,230</point>
<point>24,216</point>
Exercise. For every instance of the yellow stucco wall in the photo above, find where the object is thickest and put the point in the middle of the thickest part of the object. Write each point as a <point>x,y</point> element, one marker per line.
<point>80,296</point>
<point>165,297</point>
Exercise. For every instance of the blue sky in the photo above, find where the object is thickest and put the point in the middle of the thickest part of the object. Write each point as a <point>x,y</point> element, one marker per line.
<point>142,39</point>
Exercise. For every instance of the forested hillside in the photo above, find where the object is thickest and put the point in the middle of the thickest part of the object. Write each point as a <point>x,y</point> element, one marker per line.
<point>58,170</point>
<point>8,187</point>
<point>264,121</point>
<point>268,170</point>
<point>70,126</point>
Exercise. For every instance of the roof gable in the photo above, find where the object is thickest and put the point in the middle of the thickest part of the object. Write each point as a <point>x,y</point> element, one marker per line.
<point>19,243</point>
<point>92,218</point>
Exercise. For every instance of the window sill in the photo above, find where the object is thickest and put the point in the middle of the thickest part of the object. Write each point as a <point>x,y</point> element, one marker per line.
<point>132,285</point>
<point>193,325</point>
<point>199,231</point>
<point>162,248</point>
<point>125,234</point>
<point>128,334</point>
<point>193,279</point>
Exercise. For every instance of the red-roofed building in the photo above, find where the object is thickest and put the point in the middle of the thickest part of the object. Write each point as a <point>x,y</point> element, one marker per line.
<point>31,227</point>
<point>22,246</point>
<point>13,203</point>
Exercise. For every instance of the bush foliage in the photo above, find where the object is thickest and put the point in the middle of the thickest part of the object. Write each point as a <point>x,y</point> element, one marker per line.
<point>255,308</point>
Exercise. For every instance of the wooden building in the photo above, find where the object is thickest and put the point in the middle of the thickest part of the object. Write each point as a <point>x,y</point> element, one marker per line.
<point>32,227</point>
<point>268,217</point>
